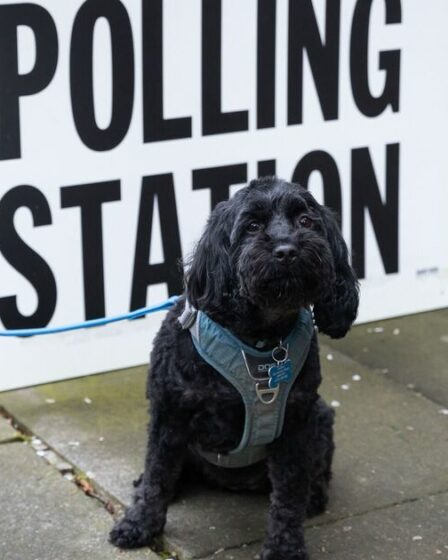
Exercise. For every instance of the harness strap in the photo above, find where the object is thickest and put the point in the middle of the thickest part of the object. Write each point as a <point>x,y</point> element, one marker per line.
<point>246,457</point>
<point>233,359</point>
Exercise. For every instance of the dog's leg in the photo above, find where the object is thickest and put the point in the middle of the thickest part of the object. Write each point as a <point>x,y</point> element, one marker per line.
<point>290,465</point>
<point>146,517</point>
<point>323,458</point>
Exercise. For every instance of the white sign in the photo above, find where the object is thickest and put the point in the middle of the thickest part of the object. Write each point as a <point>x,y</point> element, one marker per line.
<point>122,123</point>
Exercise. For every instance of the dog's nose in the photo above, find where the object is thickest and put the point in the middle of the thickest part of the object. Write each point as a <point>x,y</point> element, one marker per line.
<point>285,253</point>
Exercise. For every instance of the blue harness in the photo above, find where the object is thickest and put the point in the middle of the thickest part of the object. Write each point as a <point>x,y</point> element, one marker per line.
<point>263,379</point>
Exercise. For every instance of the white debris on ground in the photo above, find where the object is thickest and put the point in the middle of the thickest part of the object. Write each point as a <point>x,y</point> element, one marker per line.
<point>87,400</point>
<point>345,386</point>
<point>50,401</point>
<point>38,445</point>
<point>356,377</point>
<point>62,466</point>
<point>378,330</point>
<point>42,450</point>
<point>330,357</point>
<point>73,443</point>
<point>444,411</point>
<point>417,538</point>
<point>335,404</point>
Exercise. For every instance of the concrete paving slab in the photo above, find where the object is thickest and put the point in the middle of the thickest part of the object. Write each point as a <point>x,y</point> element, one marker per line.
<point>391,443</point>
<point>411,531</point>
<point>7,432</point>
<point>89,420</point>
<point>203,520</point>
<point>43,516</point>
<point>391,446</point>
<point>386,453</point>
<point>414,350</point>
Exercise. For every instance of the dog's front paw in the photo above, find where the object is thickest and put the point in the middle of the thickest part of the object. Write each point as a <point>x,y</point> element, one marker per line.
<point>281,553</point>
<point>129,533</point>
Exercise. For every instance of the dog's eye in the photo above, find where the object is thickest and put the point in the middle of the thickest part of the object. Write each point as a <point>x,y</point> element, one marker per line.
<point>253,227</point>
<point>305,221</point>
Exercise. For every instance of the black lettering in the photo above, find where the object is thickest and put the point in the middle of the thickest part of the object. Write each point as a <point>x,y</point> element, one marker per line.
<point>384,216</point>
<point>389,61</point>
<point>155,126</point>
<point>145,274</point>
<point>214,121</point>
<point>218,180</point>
<point>12,84</point>
<point>25,260</point>
<point>81,73</point>
<point>323,57</point>
<point>324,164</point>
<point>90,199</point>
<point>267,11</point>
<point>266,168</point>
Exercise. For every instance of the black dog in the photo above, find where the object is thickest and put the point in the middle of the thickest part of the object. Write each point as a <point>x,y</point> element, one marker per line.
<point>267,253</point>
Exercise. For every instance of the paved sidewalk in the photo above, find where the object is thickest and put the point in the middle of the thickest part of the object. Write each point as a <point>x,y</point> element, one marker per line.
<point>389,498</point>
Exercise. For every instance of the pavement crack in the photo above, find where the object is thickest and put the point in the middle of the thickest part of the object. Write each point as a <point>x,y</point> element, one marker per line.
<point>329,522</point>
<point>403,502</point>
<point>227,549</point>
<point>56,460</point>
<point>14,439</point>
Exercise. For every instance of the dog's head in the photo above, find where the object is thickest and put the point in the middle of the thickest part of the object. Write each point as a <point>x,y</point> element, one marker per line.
<point>273,245</point>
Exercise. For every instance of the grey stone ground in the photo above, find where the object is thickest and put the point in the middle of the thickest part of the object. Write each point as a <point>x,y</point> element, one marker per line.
<point>389,497</point>
<point>45,517</point>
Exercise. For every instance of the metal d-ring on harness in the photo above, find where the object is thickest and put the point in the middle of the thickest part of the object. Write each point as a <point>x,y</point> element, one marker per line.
<point>269,386</point>
<point>245,367</point>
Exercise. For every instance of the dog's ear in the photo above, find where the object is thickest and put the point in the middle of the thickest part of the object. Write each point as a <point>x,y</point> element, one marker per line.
<point>208,272</point>
<point>335,312</point>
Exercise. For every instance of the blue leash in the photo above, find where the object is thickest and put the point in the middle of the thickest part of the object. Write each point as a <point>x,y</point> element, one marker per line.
<point>93,322</point>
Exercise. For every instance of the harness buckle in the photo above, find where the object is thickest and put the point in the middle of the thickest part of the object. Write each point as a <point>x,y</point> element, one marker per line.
<point>188,316</point>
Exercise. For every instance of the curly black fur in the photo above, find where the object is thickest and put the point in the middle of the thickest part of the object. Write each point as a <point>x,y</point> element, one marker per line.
<point>265,253</point>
